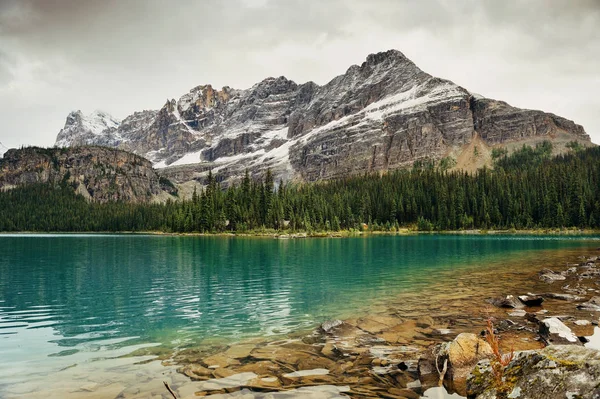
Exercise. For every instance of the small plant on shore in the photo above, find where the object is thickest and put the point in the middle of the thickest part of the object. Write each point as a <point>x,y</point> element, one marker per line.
<point>499,360</point>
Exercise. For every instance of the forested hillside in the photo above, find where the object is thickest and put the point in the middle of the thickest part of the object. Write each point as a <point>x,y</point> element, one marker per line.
<point>528,189</point>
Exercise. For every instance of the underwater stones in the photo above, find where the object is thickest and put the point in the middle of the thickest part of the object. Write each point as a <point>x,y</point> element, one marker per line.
<point>507,302</point>
<point>239,351</point>
<point>518,313</point>
<point>306,373</point>
<point>329,326</point>
<point>404,333</point>
<point>425,321</point>
<point>562,297</point>
<point>338,328</point>
<point>223,372</point>
<point>550,276</point>
<point>376,324</point>
<point>267,382</point>
<point>196,371</point>
<point>330,350</point>
<point>233,381</point>
<point>313,362</point>
<point>262,367</point>
<point>278,354</point>
<point>383,355</point>
<point>592,305</point>
<point>219,360</point>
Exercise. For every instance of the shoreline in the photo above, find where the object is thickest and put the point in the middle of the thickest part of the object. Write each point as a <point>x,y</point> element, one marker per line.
<point>380,353</point>
<point>325,234</point>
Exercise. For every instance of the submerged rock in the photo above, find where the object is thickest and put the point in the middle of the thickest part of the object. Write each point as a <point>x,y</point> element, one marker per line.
<point>329,326</point>
<point>591,305</point>
<point>562,297</point>
<point>556,372</point>
<point>508,302</point>
<point>518,313</point>
<point>550,276</point>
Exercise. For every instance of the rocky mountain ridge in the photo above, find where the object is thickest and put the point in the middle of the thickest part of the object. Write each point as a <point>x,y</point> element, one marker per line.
<point>382,115</point>
<point>98,173</point>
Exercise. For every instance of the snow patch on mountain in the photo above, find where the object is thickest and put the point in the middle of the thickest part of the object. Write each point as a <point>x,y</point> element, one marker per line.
<point>80,129</point>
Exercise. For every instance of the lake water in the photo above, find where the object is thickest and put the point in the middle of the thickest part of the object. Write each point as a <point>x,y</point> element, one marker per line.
<point>80,302</point>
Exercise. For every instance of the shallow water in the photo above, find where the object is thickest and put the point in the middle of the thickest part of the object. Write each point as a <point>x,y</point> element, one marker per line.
<point>72,304</point>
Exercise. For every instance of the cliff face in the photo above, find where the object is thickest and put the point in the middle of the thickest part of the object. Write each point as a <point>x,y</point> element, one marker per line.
<point>381,115</point>
<point>98,173</point>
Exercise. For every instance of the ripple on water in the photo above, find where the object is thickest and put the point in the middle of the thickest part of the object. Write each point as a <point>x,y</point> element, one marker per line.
<point>77,303</point>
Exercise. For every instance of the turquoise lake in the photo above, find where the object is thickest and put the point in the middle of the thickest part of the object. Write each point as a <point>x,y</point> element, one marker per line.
<point>68,300</point>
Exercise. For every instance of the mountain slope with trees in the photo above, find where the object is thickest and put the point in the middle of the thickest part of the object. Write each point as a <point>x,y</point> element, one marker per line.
<point>528,189</point>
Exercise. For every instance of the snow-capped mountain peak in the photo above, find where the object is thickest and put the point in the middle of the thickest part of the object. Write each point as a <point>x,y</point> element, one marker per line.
<point>99,127</point>
<point>383,114</point>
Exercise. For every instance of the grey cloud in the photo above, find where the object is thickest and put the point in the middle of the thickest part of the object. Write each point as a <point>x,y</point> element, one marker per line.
<point>127,55</point>
<point>6,74</point>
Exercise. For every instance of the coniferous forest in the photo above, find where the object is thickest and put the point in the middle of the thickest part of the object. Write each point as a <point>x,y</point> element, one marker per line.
<point>526,190</point>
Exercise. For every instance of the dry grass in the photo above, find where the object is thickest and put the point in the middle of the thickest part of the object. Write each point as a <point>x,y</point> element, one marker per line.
<point>500,360</point>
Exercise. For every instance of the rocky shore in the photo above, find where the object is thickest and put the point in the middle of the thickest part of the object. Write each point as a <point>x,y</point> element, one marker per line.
<point>401,353</point>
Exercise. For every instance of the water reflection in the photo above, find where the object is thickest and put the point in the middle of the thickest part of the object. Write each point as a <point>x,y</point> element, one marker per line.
<point>70,299</point>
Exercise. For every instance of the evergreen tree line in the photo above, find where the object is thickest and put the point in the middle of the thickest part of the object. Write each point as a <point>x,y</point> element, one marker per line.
<point>529,189</point>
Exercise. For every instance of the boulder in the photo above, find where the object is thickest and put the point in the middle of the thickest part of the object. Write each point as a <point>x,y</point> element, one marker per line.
<point>554,331</point>
<point>555,372</point>
<point>462,355</point>
<point>508,302</point>
<point>464,352</point>
<point>531,300</point>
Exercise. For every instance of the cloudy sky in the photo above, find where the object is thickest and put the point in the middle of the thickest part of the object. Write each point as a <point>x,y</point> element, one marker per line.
<point>123,56</point>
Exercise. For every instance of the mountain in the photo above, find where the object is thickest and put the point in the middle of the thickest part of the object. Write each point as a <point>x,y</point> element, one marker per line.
<point>97,128</point>
<point>98,173</point>
<point>384,114</point>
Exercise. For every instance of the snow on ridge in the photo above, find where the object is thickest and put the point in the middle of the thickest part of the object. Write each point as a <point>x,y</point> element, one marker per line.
<point>181,121</point>
<point>99,127</point>
<point>99,121</point>
<point>415,99</point>
<point>186,101</point>
<point>407,101</point>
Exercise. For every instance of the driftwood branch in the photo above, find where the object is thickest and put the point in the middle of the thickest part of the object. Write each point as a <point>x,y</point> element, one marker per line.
<point>169,389</point>
<point>441,373</point>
